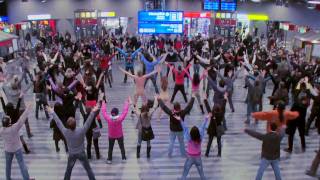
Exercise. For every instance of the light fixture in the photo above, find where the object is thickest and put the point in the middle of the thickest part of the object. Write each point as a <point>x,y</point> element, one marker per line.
<point>1,1</point>
<point>43,1</point>
<point>313,2</point>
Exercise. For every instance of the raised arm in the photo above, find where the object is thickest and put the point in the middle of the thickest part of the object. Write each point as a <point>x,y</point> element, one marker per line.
<point>17,126</point>
<point>71,86</point>
<point>134,54</point>
<point>90,118</point>
<point>124,110</point>
<point>99,80</point>
<point>164,107</point>
<point>189,107</point>
<point>58,122</point>
<point>127,73</point>
<point>267,115</point>
<point>103,113</point>
<point>254,134</point>
<point>121,51</point>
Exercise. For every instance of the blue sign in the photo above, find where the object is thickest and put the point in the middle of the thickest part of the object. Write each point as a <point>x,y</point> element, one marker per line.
<point>228,5</point>
<point>160,28</point>
<point>160,16</point>
<point>4,19</point>
<point>211,5</point>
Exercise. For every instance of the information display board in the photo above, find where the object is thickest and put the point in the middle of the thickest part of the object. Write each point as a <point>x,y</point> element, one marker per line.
<point>159,28</point>
<point>211,5</point>
<point>160,16</point>
<point>228,5</point>
<point>160,22</point>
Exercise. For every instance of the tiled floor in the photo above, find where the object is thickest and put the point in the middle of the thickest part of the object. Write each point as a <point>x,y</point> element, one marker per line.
<point>239,161</point>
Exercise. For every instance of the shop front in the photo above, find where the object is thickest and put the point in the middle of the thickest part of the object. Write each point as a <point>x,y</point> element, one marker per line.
<point>42,24</point>
<point>196,23</point>
<point>86,23</point>
<point>111,23</point>
<point>225,23</point>
<point>256,24</point>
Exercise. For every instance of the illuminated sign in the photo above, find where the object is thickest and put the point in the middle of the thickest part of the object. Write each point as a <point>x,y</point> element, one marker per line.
<point>197,14</point>
<point>38,17</point>
<point>108,14</point>
<point>211,5</point>
<point>160,16</point>
<point>4,19</point>
<point>160,28</point>
<point>253,17</point>
<point>228,5</point>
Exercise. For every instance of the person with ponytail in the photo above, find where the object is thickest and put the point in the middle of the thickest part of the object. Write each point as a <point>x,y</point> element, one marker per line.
<point>279,116</point>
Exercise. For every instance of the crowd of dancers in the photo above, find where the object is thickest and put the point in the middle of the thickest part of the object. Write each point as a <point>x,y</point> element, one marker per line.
<point>73,75</point>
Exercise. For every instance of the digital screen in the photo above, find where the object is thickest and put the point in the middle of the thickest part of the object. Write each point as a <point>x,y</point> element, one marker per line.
<point>228,5</point>
<point>160,28</point>
<point>211,5</point>
<point>160,16</point>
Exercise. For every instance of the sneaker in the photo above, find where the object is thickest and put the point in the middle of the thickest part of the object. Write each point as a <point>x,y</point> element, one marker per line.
<point>109,162</point>
<point>124,160</point>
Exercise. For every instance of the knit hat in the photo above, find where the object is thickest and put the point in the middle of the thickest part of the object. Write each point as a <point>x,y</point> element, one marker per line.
<point>114,111</point>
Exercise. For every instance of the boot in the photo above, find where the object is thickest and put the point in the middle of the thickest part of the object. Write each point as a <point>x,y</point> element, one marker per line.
<point>201,107</point>
<point>148,151</point>
<point>138,151</point>
<point>219,152</point>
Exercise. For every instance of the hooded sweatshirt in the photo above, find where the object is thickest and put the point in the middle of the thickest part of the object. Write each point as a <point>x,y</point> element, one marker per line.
<point>114,122</point>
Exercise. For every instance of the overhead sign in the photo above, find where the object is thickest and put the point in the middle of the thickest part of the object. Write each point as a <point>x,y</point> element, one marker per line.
<point>197,14</point>
<point>211,5</point>
<point>38,17</point>
<point>108,14</point>
<point>228,5</point>
<point>160,16</point>
<point>160,28</point>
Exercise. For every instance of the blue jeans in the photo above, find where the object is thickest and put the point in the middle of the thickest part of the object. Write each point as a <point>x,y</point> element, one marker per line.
<point>84,161</point>
<point>264,163</point>
<point>173,136</point>
<point>251,107</point>
<point>22,165</point>
<point>188,164</point>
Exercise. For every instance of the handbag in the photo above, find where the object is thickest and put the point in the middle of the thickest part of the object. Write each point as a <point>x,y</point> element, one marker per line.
<point>147,134</point>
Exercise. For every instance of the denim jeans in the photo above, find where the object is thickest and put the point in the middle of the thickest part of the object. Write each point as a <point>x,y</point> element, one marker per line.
<point>84,161</point>
<point>251,107</point>
<point>264,163</point>
<point>173,136</point>
<point>22,165</point>
<point>188,164</point>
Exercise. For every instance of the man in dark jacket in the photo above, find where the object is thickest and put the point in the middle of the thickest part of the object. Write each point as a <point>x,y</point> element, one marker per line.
<point>176,129</point>
<point>270,150</point>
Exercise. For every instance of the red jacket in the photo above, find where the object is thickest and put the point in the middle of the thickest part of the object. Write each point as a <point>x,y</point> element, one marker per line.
<point>104,62</point>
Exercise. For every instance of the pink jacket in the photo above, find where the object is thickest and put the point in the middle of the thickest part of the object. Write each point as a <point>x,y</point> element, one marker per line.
<point>114,122</point>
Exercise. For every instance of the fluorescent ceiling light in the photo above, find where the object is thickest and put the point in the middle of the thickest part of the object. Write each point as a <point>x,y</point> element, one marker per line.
<point>314,2</point>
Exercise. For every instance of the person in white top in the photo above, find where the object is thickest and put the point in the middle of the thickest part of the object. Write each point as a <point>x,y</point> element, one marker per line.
<point>12,144</point>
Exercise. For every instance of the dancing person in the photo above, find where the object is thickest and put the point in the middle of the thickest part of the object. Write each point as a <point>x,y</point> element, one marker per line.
<point>279,116</point>
<point>215,128</point>
<point>12,143</point>
<point>145,132</point>
<point>75,141</point>
<point>270,153</point>
<point>140,80</point>
<point>150,63</point>
<point>115,131</point>
<point>179,81</point>
<point>195,87</point>
<point>176,129</point>
<point>194,138</point>
<point>129,58</point>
